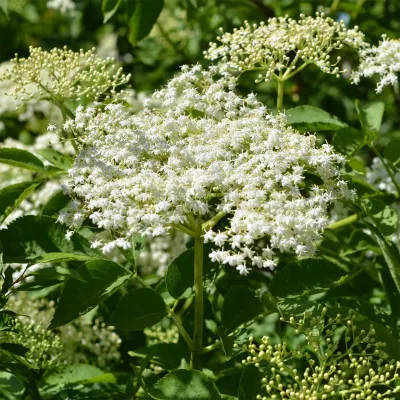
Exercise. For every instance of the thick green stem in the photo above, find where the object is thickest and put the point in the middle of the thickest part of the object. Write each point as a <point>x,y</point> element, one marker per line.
<point>343,222</point>
<point>279,99</point>
<point>198,302</point>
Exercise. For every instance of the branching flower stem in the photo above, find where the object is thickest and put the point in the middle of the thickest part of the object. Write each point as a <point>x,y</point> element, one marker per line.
<point>171,313</point>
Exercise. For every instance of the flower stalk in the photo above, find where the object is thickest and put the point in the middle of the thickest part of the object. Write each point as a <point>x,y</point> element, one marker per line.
<point>199,301</point>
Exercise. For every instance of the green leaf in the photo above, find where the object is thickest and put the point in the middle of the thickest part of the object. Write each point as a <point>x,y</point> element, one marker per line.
<point>12,196</point>
<point>29,237</point>
<point>241,305</point>
<point>56,158</point>
<point>4,6</point>
<point>74,375</point>
<point>109,8</point>
<point>268,300</point>
<point>391,255</point>
<point>14,348</point>
<point>384,217</point>
<point>61,257</point>
<point>138,242</point>
<point>312,119</point>
<point>56,203</point>
<point>138,309</point>
<point>227,341</point>
<point>20,158</point>
<point>348,140</point>
<point>142,15</point>
<point>180,275</point>
<point>370,115</point>
<point>305,277</point>
<point>392,151</point>
<point>102,279</point>
<point>168,355</point>
<point>1,257</point>
<point>55,272</point>
<point>184,384</point>
<point>16,366</point>
<point>250,383</point>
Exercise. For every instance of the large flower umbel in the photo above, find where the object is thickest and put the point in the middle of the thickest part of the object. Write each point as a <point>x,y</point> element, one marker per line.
<point>205,154</point>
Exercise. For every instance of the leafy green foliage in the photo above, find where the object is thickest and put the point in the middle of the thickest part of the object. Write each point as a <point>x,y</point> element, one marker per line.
<point>138,309</point>
<point>348,140</point>
<point>305,277</point>
<point>30,237</point>
<point>142,15</point>
<point>241,305</point>
<point>392,151</point>
<point>21,158</point>
<point>311,119</point>
<point>56,203</point>
<point>384,217</point>
<point>56,158</point>
<point>250,383</point>
<point>101,279</point>
<point>168,355</point>
<point>73,375</point>
<point>12,196</point>
<point>109,8</point>
<point>370,115</point>
<point>180,275</point>
<point>184,384</point>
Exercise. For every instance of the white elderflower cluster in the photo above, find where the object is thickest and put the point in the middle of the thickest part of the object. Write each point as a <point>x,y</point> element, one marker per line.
<point>382,60</point>
<point>206,154</point>
<point>283,46</point>
<point>64,6</point>
<point>59,75</point>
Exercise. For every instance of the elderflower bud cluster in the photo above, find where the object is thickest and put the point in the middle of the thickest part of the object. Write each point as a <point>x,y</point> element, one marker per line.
<point>337,359</point>
<point>161,334</point>
<point>205,154</point>
<point>283,45</point>
<point>82,341</point>
<point>59,75</point>
<point>382,60</point>
<point>44,347</point>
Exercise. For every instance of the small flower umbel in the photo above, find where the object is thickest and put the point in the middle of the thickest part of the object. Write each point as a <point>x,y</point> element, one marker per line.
<point>207,162</point>
<point>382,60</point>
<point>60,75</point>
<point>338,360</point>
<point>283,46</point>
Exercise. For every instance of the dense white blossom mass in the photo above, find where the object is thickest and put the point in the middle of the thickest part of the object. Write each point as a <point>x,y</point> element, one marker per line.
<point>283,46</point>
<point>204,151</point>
<point>382,60</point>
